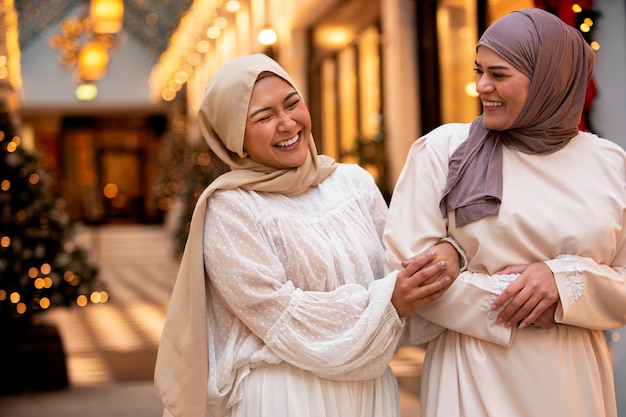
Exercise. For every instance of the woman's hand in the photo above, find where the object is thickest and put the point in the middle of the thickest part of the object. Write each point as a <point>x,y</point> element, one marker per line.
<point>530,299</point>
<point>424,278</point>
<point>444,252</point>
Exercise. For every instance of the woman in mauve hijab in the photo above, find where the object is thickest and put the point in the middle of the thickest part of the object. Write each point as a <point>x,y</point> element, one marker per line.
<point>539,208</point>
<point>281,307</point>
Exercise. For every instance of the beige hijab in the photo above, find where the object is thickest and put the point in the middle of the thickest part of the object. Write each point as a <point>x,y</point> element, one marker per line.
<point>559,63</point>
<point>181,371</point>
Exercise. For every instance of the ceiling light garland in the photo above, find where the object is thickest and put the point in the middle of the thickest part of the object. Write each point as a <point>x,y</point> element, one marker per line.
<point>10,70</point>
<point>190,38</point>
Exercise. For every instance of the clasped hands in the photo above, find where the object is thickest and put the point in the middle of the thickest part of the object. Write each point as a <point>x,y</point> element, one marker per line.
<point>531,299</point>
<point>424,278</point>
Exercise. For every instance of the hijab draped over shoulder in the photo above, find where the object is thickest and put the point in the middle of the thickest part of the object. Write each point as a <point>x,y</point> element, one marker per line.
<point>559,63</point>
<point>181,371</point>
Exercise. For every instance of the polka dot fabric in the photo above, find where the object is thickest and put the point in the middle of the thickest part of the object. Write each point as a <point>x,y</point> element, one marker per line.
<point>298,281</point>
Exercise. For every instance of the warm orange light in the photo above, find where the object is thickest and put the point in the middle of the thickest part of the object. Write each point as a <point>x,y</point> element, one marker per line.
<point>107,15</point>
<point>92,61</point>
<point>44,303</point>
<point>232,6</point>
<point>110,190</point>
<point>267,36</point>
<point>86,92</point>
<point>82,300</point>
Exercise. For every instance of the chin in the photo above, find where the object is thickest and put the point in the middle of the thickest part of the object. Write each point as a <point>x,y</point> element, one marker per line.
<point>491,125</point>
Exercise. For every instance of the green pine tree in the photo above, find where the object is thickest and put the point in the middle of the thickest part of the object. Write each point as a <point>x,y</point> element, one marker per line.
<point>40,266</point>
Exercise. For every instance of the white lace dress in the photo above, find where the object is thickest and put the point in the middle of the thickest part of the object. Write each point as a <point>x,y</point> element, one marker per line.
<point>299,323</point>
<point>566,209</point>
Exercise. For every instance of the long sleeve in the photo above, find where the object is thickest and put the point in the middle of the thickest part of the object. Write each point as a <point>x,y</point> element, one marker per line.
<point>464,308</point>
<point>592,295</point>
<point>415,223</point>
<point>552,211</point>
<point>302,286</point>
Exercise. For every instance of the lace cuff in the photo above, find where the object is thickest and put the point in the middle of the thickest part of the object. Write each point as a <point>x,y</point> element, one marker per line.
<point>500,282</point>
<point>574,280</point>
<point>569,265</point>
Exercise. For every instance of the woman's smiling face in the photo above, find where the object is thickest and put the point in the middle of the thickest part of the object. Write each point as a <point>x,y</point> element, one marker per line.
<point>278,124</point>
<point>502,88</point>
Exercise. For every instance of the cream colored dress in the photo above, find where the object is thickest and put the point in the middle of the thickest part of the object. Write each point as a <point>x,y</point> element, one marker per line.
<point>299,323</point>
<point>566,209</point>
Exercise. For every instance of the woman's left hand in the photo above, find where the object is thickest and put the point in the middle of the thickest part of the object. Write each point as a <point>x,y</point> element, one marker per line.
<point>444,252</point>
<point>527,298</point>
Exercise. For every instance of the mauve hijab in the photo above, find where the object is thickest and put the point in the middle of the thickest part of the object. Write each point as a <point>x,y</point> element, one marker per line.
<point>559,63</point>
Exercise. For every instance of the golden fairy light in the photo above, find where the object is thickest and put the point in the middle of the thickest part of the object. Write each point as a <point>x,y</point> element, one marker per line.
<point>82,300</point>
<point>267,36</point>
<point>44,303</point>
<point>192,33</point>
<point>10,68</point>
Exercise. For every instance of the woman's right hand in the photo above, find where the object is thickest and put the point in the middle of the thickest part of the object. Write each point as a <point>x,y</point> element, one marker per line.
<point>531,299</point>
<point>419,283</point>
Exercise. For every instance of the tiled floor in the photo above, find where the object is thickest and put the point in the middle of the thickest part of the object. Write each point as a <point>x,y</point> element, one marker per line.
<point>111,347</point>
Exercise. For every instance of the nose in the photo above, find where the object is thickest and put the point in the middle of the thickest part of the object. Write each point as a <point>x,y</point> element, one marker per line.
<point>286,123</point>
<point>483,85</point>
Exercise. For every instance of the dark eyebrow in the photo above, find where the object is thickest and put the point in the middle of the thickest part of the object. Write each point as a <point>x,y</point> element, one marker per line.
<point>262,109</point>
<point>493,67</point>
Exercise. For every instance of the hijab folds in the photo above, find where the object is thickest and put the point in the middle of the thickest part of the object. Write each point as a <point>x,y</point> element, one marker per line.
<point>182,370</point>
<point>223,115</point>
<point>559,63</point>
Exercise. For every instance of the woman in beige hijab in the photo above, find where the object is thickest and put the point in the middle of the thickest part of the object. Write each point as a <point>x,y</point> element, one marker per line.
<point>281,307</point>
<point>539,208</point>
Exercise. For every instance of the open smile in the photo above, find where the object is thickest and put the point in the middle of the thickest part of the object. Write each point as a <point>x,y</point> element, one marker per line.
<point>492,104</point>
<point>287,143</point>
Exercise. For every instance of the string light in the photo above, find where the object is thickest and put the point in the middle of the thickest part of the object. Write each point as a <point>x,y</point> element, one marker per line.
<point>232,6</point>
<point>267,36</point>
<point>10,68</point>
<point>28,242</point>
<point>188,38</point>
<point>586,24</point>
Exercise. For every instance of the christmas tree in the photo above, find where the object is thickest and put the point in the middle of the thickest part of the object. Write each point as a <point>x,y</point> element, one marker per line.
<point>186,169</point>
<point>40,267</point>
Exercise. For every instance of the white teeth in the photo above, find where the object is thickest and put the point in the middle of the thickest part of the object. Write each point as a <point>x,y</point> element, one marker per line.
<point>491,104</point>
<point>289,142</point>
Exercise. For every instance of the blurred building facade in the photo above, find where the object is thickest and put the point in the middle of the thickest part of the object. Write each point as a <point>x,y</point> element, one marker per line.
<point>376,75</point>
<point>379,73</point>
